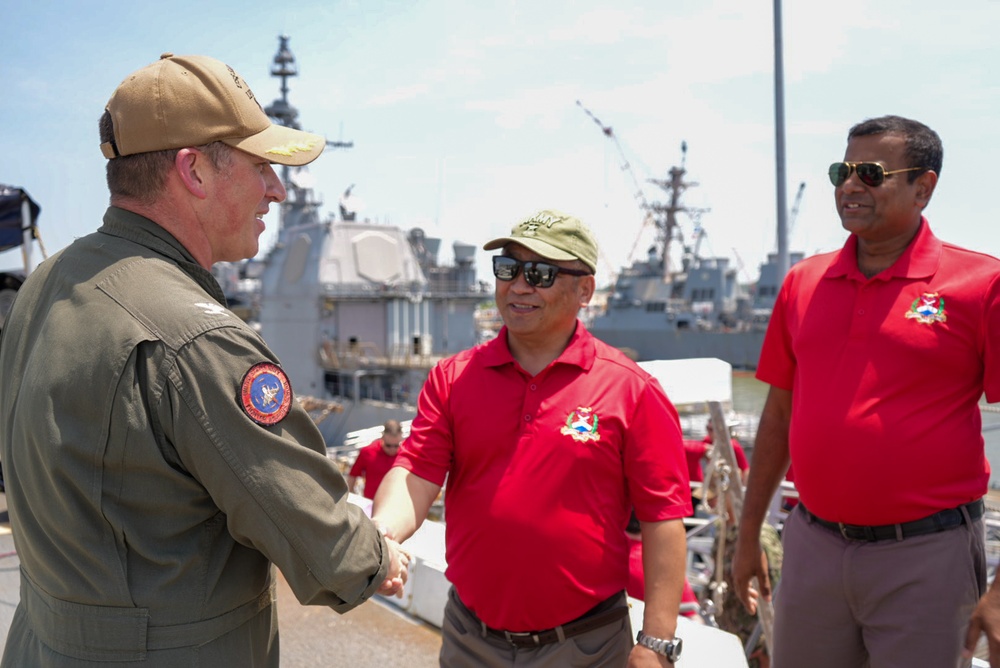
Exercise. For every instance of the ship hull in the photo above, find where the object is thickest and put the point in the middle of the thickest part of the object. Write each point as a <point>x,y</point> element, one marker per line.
<point>741,349</point>
<point>357,415</point>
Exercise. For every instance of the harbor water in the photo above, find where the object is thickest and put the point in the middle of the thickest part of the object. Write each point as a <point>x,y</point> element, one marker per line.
<point>749,395</point>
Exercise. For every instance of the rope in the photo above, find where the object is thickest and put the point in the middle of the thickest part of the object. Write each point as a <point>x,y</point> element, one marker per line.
<point>720,472</point>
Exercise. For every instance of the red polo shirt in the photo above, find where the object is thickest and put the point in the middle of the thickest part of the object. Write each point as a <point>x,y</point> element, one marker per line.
<point>741,457</point>
<point>886,375</point>
<point>695,451</point>
<point>373,464</point>
<point>543,473</point>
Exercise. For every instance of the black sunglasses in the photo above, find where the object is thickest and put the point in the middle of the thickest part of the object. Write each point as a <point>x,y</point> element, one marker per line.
<point>537,274</point>
<point>871,173</point>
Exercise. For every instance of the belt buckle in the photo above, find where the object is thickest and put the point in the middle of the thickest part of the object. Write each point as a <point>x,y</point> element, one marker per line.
<point>520,635</point>
<point>843,530</point>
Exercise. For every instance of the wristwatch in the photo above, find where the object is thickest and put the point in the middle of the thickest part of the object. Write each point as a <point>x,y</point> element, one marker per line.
<point>668,648</point>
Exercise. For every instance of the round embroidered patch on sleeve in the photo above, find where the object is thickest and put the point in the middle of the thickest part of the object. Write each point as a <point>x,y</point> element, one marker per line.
<point>266,394</point>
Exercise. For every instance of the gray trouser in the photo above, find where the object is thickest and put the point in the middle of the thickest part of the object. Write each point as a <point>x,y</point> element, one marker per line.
<point>884,604</point>
<point>465,645</point>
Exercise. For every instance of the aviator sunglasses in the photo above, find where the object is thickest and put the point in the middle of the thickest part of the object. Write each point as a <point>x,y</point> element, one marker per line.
<point>537,274</point>
<point>871,173</point>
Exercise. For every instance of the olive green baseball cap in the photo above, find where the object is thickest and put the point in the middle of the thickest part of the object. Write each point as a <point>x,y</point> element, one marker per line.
<point>187,101</point>
<point>555,236</point>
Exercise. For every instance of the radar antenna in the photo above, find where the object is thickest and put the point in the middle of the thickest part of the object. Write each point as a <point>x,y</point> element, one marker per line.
<point>280,110</point>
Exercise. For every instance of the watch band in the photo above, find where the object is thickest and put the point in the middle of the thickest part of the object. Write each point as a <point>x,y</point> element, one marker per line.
<point>668,648</point>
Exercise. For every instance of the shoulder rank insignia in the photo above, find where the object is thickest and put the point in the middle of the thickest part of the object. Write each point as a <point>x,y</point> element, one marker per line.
<point>266,394</point>
<point>581,424</point>
<point>928,308</point>
<point>211,308</point>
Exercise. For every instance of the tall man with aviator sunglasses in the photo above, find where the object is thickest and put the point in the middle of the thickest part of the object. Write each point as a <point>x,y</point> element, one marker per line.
<point>548,438</point>
<point>877,356</point>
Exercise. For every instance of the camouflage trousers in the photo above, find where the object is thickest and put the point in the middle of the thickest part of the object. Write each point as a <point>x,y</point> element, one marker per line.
<point>733,617</point>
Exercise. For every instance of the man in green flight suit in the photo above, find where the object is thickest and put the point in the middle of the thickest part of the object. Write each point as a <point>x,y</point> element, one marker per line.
<point>157,467</point>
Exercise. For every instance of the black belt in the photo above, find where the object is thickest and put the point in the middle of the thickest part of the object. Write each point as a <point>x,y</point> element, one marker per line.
<point>941,521</point>
<point>600,615</point>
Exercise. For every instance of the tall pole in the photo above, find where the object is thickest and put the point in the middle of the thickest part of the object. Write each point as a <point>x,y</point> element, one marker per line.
<point>779,145</point>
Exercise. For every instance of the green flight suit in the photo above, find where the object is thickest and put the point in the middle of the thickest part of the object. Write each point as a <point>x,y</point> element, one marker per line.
<point>147,507</point>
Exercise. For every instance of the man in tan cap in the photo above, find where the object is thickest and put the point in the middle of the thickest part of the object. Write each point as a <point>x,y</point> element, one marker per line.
<point>156,463</point>
<point>548,439</point>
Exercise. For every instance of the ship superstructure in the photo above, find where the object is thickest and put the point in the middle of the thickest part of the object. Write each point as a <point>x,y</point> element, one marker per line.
<point>660,308</point>
<point>358,312</point>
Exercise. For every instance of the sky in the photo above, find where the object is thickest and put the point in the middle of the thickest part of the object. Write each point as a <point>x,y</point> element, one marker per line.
<point>467,117</point>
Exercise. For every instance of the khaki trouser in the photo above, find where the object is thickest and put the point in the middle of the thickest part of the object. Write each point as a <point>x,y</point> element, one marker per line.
<point>465,645</point>
<point>884,604</point>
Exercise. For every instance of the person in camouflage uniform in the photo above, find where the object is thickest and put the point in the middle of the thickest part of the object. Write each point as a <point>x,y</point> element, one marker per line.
<point>733,617</point>
<point>730,614</point>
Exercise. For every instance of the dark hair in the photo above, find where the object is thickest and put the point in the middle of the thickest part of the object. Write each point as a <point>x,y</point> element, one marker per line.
<point>923,145</point>
<point>141,176</point>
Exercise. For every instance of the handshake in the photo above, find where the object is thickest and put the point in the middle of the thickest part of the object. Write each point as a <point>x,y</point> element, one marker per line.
<point>399,562</point>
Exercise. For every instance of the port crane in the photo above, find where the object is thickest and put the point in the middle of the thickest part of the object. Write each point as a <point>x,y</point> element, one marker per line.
<point>661,216</point>
<point>794,213</point>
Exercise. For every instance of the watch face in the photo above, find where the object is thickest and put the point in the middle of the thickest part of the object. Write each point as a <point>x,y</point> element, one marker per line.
<point>675,649</point>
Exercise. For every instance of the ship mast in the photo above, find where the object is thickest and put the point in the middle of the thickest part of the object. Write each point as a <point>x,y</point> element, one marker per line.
<point>665,216</point>
<point>281,111</point>
<point>284,113</point>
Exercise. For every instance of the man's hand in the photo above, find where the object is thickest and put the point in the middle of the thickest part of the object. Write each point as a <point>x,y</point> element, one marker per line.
<point>749,562</point>
<point>643,657</point>
<point>985,619</point>
<point>399,562</point>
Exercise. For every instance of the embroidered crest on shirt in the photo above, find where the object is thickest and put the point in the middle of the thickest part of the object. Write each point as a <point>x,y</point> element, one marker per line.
<point>266,394</point>
<point>581,424</point>
<point>928,308</point>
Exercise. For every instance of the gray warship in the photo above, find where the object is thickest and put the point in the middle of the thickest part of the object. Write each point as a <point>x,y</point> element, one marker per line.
<point>659,309</point>
<point>357,312</point>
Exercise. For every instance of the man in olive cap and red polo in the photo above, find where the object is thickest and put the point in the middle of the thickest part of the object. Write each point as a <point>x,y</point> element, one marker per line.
<point>548,439</point>
<point>156,463</point>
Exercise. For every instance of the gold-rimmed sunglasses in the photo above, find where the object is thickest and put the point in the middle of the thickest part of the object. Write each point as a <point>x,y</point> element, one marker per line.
<point>871,173</point>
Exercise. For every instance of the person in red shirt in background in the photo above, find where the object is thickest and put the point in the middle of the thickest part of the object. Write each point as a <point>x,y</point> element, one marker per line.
<point>741,457</point>
<point>375,459</point>
<point>637,581</point>
<point>696,451</point>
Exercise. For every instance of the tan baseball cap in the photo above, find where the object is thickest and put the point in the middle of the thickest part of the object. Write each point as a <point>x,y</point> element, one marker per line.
<point>554,235</point>
<point>182,101</point>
